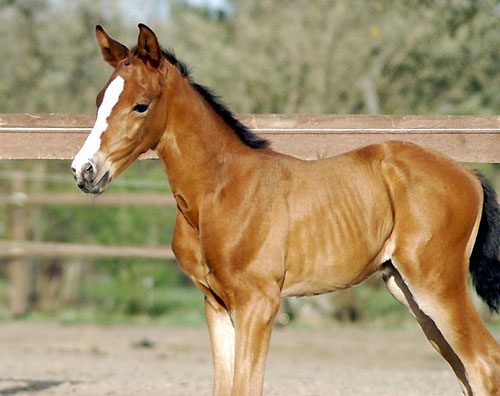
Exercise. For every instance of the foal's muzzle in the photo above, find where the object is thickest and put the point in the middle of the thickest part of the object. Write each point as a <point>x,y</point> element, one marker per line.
<point>87,181</point>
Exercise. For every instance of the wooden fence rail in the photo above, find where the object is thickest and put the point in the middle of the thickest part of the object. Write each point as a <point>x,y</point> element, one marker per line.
<point>80,199</point>
<point>13,248</point>
<point>22,248</point>
<point>464,138</point>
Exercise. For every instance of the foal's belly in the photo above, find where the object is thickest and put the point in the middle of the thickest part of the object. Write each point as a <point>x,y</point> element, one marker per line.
<point>322,273</point>
<point>337,249</point>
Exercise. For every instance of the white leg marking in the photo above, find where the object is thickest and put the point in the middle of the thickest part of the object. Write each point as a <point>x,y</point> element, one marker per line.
<point>225,340</point>
<point>93,142</point>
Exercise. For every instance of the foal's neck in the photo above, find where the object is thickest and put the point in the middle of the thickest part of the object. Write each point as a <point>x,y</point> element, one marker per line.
<point>196,144</point>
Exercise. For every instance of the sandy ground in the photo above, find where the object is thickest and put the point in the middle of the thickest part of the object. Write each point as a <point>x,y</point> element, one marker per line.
<point>49,359</point>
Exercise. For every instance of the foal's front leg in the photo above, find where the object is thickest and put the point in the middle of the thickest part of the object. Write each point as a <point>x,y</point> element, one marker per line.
<point>253,320</point>
<point>222,339</point>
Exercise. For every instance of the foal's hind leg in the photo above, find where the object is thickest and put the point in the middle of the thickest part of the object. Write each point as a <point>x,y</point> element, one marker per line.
<point>400,292</point>
<point>439,301</point>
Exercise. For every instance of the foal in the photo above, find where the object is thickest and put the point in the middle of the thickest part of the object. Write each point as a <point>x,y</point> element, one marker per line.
<point>254,225</point>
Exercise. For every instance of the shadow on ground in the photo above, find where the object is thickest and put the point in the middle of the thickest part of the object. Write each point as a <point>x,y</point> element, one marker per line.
<point>24,385</point>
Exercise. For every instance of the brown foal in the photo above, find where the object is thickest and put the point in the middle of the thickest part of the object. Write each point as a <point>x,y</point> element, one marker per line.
<point>254,225</point>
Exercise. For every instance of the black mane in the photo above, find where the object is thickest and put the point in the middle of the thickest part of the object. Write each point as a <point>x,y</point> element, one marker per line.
<point>243,132</point>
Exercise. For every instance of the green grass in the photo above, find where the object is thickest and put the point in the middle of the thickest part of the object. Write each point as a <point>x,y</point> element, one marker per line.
<point>179,306</point>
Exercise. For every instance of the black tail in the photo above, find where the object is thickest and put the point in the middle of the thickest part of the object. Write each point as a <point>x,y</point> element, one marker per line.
<point>484,261</point>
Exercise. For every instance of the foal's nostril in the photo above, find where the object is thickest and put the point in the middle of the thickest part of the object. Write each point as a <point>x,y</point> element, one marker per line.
<point>87,167</point>
<point>88,172</point>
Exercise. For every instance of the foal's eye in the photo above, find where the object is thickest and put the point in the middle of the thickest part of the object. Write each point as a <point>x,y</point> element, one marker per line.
<point>141,107</point>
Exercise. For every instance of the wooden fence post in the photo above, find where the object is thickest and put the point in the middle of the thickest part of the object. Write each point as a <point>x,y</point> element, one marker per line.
<point>18,268</point>
<point>35,264</point>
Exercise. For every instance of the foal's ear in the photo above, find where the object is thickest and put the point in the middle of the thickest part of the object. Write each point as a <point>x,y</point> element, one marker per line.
<point>148,46</point>
<point>112,51</point>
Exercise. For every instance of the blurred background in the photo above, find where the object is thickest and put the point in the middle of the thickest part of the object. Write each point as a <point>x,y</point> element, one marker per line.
<point>260,56</point>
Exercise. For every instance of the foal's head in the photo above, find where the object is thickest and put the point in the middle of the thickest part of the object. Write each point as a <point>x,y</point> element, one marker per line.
<point>128,123</point>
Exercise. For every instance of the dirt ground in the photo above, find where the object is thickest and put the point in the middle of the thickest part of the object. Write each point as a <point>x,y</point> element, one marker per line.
<point>50,359</point>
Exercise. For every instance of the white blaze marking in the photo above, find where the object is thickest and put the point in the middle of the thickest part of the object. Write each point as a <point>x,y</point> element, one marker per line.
<point>93,142</point>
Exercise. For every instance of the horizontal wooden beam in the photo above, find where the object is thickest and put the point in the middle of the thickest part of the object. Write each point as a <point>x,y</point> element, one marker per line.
<point>63,198</point>
<point>464,138</point>
<point>14,248</point>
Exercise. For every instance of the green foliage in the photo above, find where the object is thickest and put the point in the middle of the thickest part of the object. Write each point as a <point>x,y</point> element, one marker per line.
<point>142,289</point>
<point>348,57</point>
<point>325,56</point>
